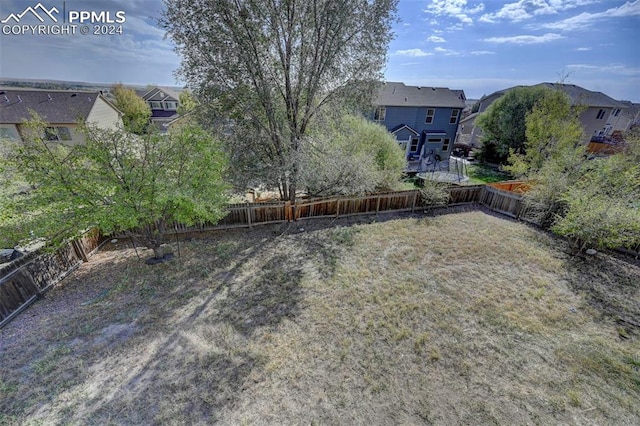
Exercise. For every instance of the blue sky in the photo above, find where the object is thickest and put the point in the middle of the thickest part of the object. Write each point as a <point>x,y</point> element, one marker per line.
<point>477,46</point>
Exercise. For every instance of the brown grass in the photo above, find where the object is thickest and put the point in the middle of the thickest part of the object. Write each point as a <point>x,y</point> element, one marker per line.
<point>459,319</point>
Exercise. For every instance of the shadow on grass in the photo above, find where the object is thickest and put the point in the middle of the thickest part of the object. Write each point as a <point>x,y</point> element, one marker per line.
<point>169,343</point>
<point>610,285</point>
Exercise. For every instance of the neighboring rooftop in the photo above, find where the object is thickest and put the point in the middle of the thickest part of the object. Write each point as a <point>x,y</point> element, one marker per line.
<point>397,94</point>
<point>578,95</point>
<point>54,106</point>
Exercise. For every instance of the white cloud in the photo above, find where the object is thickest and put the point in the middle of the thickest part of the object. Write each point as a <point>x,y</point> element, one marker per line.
<point>482,52</point>
<point>447,52</point>
<point>584,19</point>
<point>457,9</point>
<point>525,39</point>
<point>436,39</point>
<point>583,49</point>
<point>513,12</point>
<point>618,69</point>
<point>412,52</point>
<point>527,9</point>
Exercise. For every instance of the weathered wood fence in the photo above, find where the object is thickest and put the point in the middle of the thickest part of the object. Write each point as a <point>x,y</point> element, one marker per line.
<point>27,278</point>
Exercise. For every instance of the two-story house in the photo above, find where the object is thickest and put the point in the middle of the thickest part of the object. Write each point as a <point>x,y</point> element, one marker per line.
<point>163,102</point>
<point>62,110</point>
<point>600,118</point>
<point>422,119</point>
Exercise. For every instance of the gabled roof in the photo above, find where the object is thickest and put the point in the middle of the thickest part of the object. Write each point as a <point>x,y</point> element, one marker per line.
<point>397,94</point>
<point>403,126</point>
<point>577,94</point>
<point>167,93</point>
<point>54,106</point>
<point>582,96</point>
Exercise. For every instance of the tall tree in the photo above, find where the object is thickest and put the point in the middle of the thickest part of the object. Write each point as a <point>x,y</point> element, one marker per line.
<point>116,181</point>
<point>136,111</point>
<point>503,123</point>
<point>279,62</point>
<point>552,154</point>
<point>350,155</point>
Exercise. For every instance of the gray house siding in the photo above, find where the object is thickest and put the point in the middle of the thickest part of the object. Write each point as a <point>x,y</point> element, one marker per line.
<point>415,117</point>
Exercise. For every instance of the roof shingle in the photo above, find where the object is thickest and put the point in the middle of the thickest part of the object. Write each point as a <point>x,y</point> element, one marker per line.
<point>397,94</point>
<point>54,106</point>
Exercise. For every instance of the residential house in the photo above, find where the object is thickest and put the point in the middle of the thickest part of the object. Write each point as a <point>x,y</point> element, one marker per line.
<point>601,117</point>
<point>62,110</point>
<point>468,135</point>
<point>164,103</point>
<point>422,119</point>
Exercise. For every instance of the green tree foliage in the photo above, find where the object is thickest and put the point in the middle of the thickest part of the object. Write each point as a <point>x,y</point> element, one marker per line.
<point>276,65</point>
<point>553,132</point>
<point>136,112</point>
<point>115,181</point>
<point>350,155</point>
<point>593,201</point>
<point>187,102</point>
<point>603,206</point>
<point>552,155</point>
<point>503,123</point>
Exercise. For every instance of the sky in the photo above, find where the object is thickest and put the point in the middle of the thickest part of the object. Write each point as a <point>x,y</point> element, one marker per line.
<point>477,46</point>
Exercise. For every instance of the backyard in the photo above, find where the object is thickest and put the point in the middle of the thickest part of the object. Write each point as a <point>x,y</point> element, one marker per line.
<point>464,318</point>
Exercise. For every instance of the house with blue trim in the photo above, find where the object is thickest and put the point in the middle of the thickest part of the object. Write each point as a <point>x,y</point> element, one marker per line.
<point>423,119</point>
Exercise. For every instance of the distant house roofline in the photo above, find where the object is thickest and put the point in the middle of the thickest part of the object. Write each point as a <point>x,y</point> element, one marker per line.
<point>54,106</point>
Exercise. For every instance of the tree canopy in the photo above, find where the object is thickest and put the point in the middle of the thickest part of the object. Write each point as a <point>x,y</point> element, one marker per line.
<point>116,181</point>
<point>350,155</point>
<point>591,200</point>
<point>276,64</point>
<point>136,112</point>
<point>503,124</point>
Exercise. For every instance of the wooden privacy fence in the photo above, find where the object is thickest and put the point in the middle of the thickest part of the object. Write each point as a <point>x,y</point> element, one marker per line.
<point>27,278</point>
<point>250,214</point>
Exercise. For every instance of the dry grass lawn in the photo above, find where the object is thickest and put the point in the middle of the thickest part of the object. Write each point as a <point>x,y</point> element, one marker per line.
<point>464,318</point>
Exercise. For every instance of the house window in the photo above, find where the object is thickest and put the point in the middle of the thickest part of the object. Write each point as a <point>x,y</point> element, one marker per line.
<point>8,133</point>
<point>430,113</point>
<point>403,145</point>
<point>156,105</point>
<point>454,116</point>
<point>57,134</point>
<point>434,140</point>
<point>414,145</point>
<point>170,105</point>
<point>445,145</point>
<point>617,112</point>
<point>380,114</point>
<point>64,133</point>
<point>600,115</point>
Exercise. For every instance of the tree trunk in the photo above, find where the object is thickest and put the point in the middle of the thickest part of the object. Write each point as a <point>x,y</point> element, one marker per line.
<point>158,252</point>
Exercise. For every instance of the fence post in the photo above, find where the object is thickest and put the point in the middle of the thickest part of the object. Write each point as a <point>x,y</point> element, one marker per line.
<point>415,200</point>
<point>248,211</point>
<point>338,208</point>
<point>378,205</point>
<point>287,211</point>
